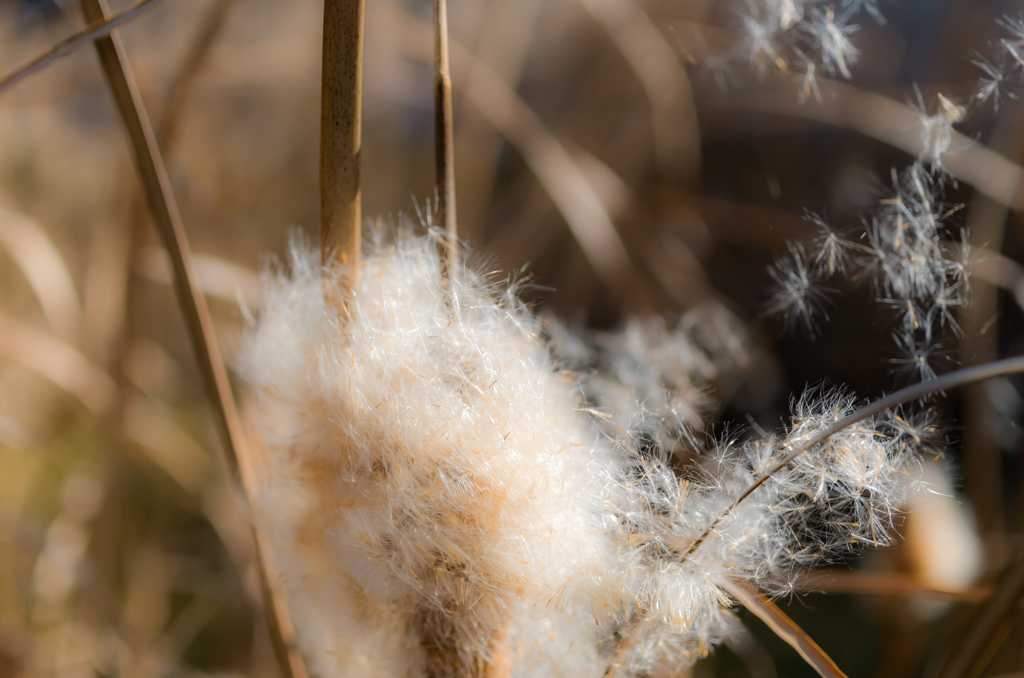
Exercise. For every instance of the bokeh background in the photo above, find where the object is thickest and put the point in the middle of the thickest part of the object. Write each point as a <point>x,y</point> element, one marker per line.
<point>123,551</point>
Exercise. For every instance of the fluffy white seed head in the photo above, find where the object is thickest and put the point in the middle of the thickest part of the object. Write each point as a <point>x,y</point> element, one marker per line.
<point>434,465</point>
<point>437,497</point>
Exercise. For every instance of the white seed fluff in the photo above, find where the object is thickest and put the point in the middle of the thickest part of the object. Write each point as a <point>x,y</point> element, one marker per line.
<point>438,502</point>
<point>429,485</point>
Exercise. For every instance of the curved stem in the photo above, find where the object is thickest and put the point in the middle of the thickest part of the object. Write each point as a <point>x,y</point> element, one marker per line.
<point>946,381</point>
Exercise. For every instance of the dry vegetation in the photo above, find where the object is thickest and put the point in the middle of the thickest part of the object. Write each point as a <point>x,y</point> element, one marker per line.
<point>622,160</point>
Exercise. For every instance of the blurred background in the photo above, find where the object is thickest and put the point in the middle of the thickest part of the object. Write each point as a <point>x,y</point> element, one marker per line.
<point>122,549</point>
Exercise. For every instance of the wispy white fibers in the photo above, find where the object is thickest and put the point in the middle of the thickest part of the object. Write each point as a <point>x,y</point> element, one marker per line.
<point>804,38</point>
<point>918,263</point>
<point>439,498</point>
<point>429,483</point>
<point>652,381</point>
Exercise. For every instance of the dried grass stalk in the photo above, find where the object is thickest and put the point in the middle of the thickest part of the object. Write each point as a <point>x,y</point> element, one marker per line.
<point>899,125</point>
<point>871,583</point>
<point>340,132</point>
<point>665,82</point>
<point>157,188</point>
<point>160,198</point>
<point>947,381</point>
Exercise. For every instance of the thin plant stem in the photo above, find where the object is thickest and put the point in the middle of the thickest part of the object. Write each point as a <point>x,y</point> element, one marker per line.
<point>946,381</point>
<point>444,140</point>
<point>198,322</point>
<point>157,188</point>
<point>340,133</point>
<point>983,464</point>
<point>784,627</point>
<point>548,159</point>
<point>502,42</point>
<point>765,610</point>
<point>95,30</point>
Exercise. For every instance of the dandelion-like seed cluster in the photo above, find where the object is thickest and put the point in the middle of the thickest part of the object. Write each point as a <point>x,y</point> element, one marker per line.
<point>905,249</point>
<point>442,498</point>
<point>1005,67</point>
<point>804,38</point>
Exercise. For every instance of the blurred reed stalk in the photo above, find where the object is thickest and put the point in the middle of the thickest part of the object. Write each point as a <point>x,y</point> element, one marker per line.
<point>157,188</point>
<point>444,140</point>
<point>340,133</point>
<point>94,31</point>
<point>185,77</point>
<point>983,467</point>
<point>989,626</point>
<point>885,119</point>
<point>674,124</point>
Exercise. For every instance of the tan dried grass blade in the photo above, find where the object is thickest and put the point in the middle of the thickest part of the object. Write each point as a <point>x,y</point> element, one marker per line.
<point>340,133</point>
<point>217,278</point>
<point>95,30</point>
<point>784,627</point>
<point>898,125</point>
<point>46,271</point>
<point>199,325</point>
<point>157,189</point>
<point>871,583</point>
